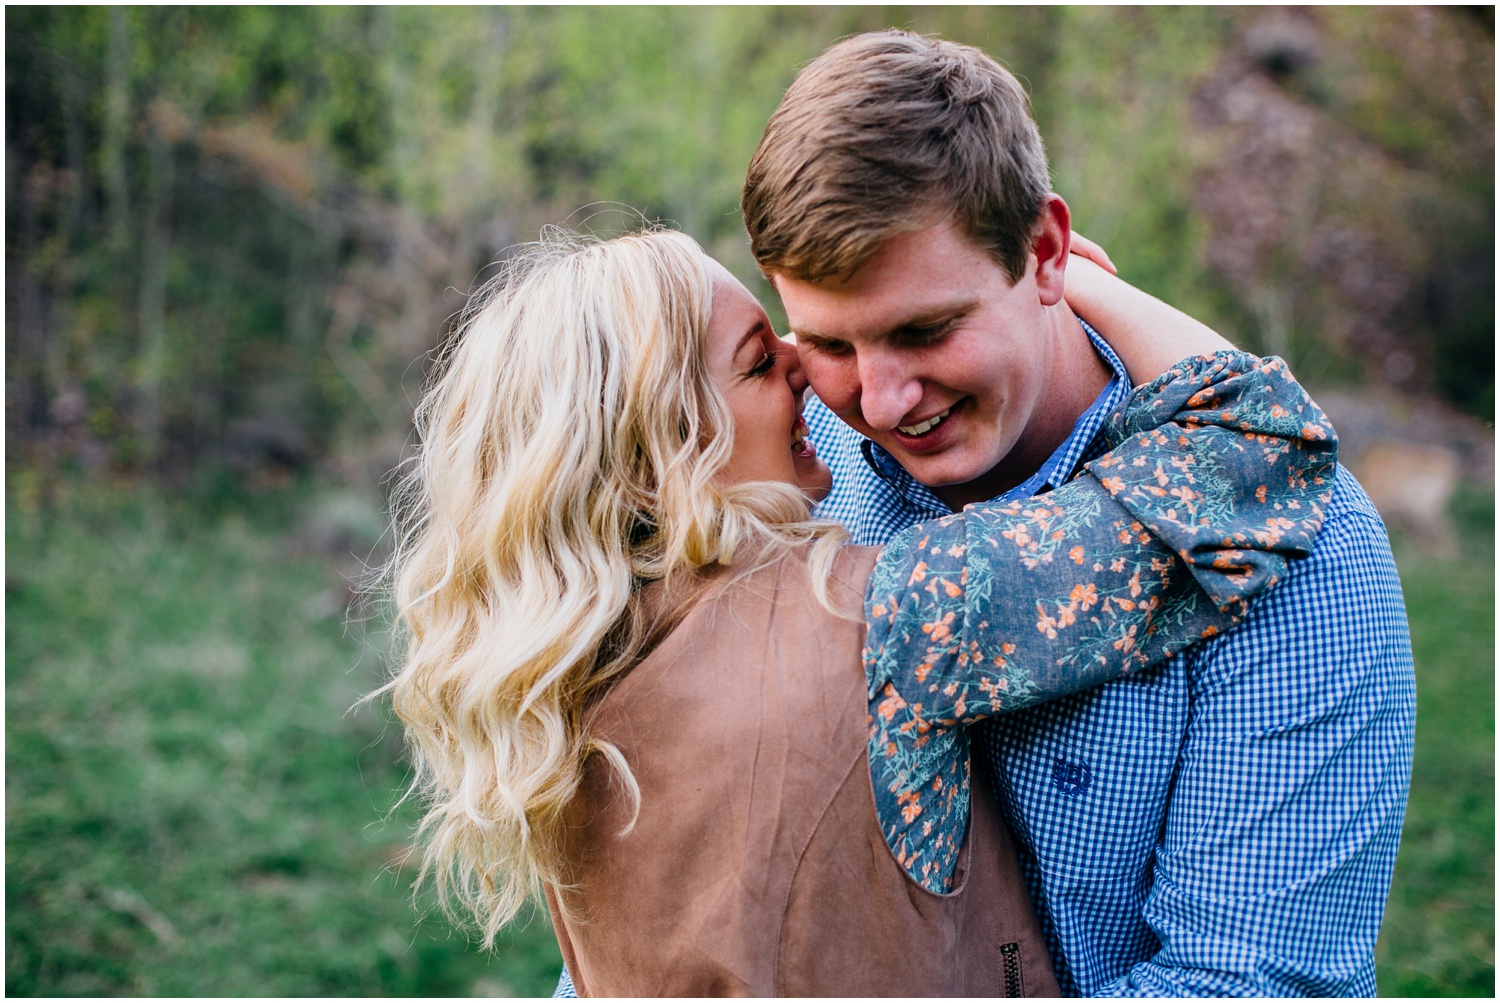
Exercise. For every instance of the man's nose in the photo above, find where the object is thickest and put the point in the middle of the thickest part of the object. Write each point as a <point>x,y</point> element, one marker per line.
<point>888,390</point>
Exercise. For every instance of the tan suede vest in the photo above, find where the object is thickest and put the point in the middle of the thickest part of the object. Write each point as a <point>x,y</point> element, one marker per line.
<point>757,865</point>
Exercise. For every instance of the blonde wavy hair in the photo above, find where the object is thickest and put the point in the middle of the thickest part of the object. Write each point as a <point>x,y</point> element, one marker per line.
<point>571,445</point>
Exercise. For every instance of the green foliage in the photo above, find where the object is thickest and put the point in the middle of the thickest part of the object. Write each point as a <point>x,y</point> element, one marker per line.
<point>233,233</point>
<point>233,229</point>
<point>192,807</point>
<point>1438,934</point>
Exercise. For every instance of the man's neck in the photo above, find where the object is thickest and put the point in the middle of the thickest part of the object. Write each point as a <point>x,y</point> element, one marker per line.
<point>1077,378</point>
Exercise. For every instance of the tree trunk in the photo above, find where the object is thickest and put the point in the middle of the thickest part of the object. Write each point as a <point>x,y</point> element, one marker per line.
<point>155,248</point>
<point>116,125</point>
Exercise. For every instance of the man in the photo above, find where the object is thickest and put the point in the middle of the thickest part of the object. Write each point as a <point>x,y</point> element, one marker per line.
<point>1226,825</point>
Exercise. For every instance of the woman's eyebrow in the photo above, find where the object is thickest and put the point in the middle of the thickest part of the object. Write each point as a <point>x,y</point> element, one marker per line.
<point>750,335</point>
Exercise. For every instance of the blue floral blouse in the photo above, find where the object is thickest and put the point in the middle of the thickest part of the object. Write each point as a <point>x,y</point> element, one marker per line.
<point>1218,473</point>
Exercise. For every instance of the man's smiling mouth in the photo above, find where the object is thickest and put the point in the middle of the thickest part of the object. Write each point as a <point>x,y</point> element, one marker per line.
<point>923,427</point>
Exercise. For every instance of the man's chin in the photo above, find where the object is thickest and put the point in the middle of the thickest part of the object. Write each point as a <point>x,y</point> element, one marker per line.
<point>957,484</point>
<point>936,471</point>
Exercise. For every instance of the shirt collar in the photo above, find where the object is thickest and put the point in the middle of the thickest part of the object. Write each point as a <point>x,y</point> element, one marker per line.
<point>1058,467</point>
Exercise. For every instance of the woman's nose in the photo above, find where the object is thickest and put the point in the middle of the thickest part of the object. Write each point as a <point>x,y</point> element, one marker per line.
<point>795,377</point>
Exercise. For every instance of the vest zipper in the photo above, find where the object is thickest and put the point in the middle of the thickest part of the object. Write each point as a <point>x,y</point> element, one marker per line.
<point>1010,970</point>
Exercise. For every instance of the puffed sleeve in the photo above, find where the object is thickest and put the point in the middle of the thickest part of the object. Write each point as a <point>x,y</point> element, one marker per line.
<point>1218,473</point>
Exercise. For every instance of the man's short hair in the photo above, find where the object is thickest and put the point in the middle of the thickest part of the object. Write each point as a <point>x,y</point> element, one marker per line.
<point>888,133</point>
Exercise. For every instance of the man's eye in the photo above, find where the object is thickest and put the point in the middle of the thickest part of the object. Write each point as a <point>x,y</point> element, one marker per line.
<point>926,335</point>
<point>830,347</point>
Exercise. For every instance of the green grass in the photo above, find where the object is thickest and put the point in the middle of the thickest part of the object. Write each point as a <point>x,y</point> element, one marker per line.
<point>192,809</point>
<point>1438,934</point>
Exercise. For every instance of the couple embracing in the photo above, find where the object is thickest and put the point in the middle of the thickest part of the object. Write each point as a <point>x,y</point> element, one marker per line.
<point>1088,674</point>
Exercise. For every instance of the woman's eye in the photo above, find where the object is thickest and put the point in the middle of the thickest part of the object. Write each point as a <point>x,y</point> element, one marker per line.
<point>765,365</point>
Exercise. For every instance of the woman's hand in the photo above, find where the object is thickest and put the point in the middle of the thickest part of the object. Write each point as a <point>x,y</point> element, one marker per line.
<point>1148,335</point>
<point>1085,248</point>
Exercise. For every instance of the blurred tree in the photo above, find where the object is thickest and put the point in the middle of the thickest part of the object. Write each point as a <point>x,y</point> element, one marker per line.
<point>233,229</point>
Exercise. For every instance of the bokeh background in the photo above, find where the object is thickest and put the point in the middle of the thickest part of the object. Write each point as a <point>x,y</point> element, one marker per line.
<point>234,237</point>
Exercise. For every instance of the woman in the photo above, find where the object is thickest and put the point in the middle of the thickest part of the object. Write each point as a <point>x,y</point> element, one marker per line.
<point>639,677</point>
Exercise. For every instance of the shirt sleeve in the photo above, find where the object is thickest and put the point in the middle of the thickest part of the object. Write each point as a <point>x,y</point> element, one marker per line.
<point>1219,472</point>
<point>564,989</point>
<point>1280,838</point>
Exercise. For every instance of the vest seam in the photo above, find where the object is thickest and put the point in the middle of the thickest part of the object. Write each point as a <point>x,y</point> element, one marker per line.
<point>812,831</point>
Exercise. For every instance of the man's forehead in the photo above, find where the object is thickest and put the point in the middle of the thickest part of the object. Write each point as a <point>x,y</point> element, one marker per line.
<point>818,311</point>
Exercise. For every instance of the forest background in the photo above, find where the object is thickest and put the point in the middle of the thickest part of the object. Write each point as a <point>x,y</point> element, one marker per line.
<point>235,236</point>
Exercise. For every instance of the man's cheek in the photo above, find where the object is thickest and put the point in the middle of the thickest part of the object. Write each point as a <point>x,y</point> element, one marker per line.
<point>836,384</point>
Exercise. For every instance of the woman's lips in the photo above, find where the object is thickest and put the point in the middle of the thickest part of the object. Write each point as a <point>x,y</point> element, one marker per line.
<point>802,446</point>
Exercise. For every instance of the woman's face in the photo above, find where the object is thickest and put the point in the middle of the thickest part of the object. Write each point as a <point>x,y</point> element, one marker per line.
<point>760,377</point>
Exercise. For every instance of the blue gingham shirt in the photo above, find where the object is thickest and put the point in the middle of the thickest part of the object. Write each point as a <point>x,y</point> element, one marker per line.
<point>1224,824</point>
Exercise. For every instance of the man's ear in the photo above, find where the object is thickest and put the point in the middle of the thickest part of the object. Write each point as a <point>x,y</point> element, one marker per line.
<point>1054,233</point>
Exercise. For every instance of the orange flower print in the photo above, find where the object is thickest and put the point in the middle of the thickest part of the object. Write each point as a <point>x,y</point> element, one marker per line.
<point>992,687</point>
<point>918,573</point>
<point>1076,554</point>
<point>941,630</point>
<point>891,703</point>
<point>1085,595</point>
<point>1045,624</point>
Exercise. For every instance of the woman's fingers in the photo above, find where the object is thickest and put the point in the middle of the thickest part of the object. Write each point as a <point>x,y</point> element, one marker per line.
<point>1086,248</point>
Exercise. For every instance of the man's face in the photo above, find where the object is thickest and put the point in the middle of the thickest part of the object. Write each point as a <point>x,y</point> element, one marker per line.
<point>929,350</point>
